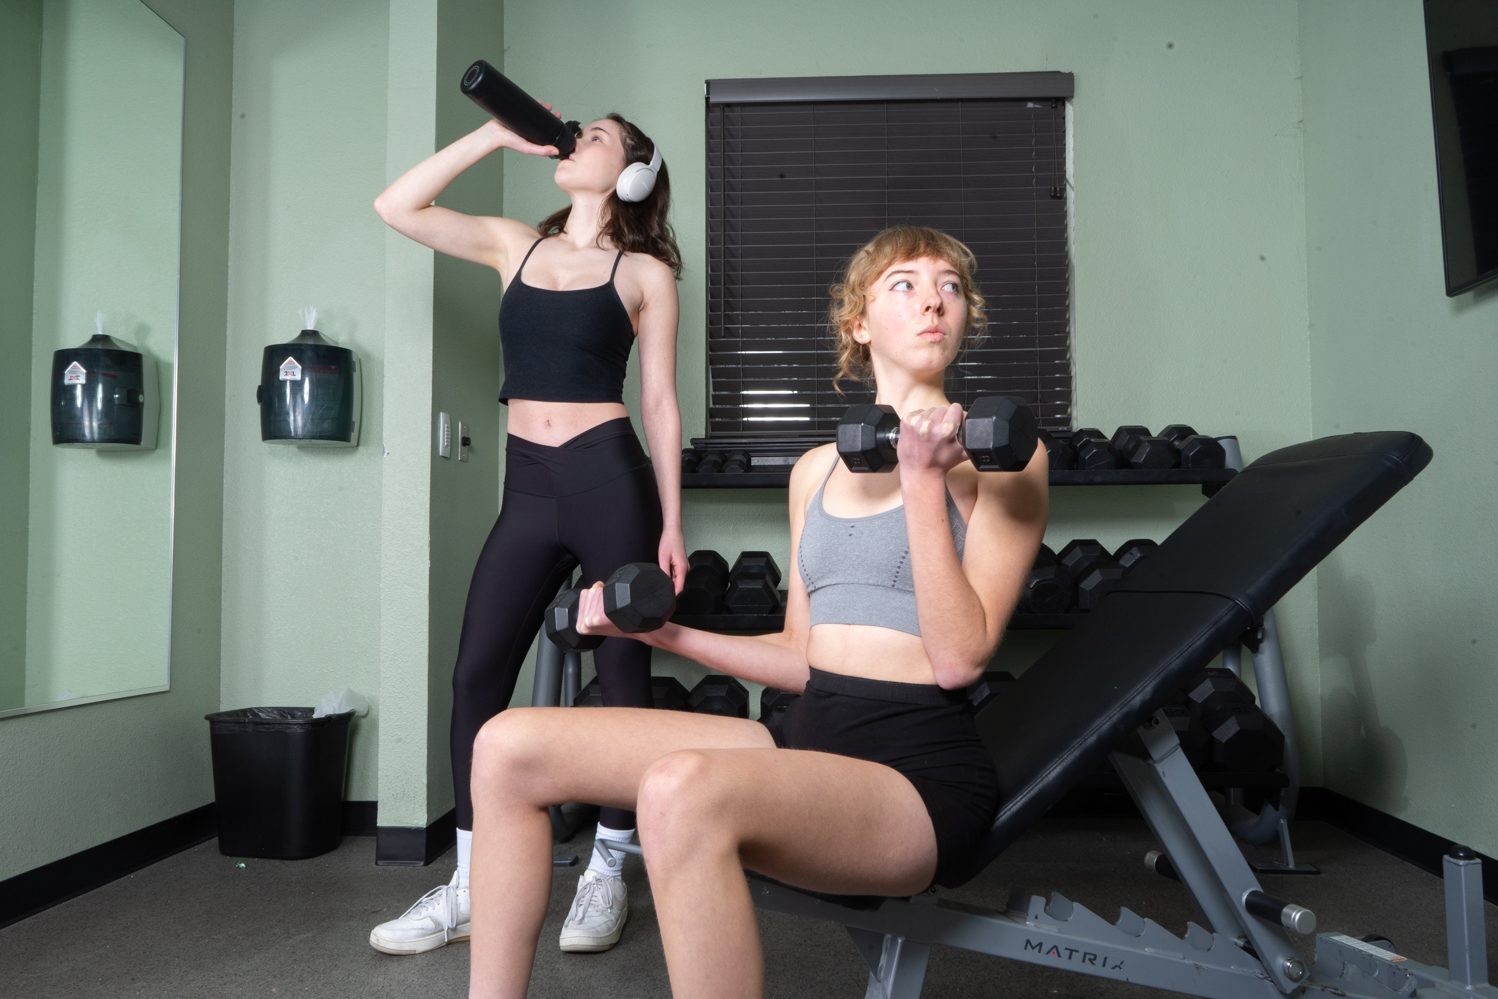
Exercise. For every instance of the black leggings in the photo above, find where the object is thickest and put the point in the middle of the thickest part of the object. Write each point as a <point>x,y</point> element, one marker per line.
<point>592,501</point>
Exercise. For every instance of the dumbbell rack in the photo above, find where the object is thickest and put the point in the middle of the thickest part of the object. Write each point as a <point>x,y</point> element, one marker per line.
<point>774,472</point>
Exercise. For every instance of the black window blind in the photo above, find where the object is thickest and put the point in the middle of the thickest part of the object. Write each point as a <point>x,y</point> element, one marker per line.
<point>796,186</point>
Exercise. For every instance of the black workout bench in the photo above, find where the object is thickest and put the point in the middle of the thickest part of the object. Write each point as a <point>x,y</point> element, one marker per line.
<point>1208,588</point>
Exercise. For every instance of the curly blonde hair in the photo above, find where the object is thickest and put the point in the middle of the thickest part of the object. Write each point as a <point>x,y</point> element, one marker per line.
<point>850,296</point>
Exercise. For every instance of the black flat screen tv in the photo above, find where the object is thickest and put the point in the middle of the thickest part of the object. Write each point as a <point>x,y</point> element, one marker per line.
<point>1461,41</point>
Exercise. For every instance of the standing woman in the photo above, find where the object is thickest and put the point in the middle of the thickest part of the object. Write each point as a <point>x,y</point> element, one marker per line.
<point>580,290</point>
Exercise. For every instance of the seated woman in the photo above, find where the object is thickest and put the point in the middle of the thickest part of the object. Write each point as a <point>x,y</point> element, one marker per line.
<point>878,782</point>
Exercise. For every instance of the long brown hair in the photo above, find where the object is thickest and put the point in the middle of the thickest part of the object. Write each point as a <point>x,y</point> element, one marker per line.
<point>633,226</point>
<point>850,296</point>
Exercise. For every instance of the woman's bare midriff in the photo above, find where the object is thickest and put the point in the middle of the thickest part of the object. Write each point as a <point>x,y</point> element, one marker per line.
<point>866,651</point>
<point>556,423</point>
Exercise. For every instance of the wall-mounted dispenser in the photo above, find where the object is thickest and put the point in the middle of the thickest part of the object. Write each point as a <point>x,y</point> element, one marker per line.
<point>104,395</point>
<point>309,392</point>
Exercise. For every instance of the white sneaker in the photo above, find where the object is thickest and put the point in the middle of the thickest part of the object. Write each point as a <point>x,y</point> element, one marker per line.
<point>438,918</point>
<point>596,919</point>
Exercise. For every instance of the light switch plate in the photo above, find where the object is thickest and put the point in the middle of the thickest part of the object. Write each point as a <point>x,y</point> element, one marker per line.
<point>444,436</point>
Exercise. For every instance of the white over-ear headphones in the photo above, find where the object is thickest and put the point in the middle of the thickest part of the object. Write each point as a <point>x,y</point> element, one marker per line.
<point>638,179</point>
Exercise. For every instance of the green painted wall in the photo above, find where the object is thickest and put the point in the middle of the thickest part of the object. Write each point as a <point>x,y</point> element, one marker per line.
<point>20,81</point>
<point>107,226</point>
<point>301,572</point>
<point>81,776</point>
<point>1406,630</point>
<point>1189,298</point>
<point>349,567</point>
<point>406,510</point>
<point>465,376</point>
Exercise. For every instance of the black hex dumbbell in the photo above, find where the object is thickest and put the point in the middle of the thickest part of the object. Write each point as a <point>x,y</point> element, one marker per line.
<point>737,461</point>
<point>1154,452</point>
<point>1202,452</point>
<point>638,597</point>
<point>752,584</point>
<point>1196,450</point>
<point>1049,589</point>
<point>1243,738</point>
<point>1141,449</point>
<point>772,706</point>
<point>1094,451</point>
<point>716,694</point>
<point>1099,579</point>
<point>1076,557</point>
<point>1177,432</point>
<point>1129,553</point>
<point>712,461</point>
<point>1060,455</point>
<point>998,433</point>
<point>667,694</point>
<point>591,696</point>
<point>705,590</point>
<point>689,459</point>
<point>1127,438</point>
<point>1093,570</point>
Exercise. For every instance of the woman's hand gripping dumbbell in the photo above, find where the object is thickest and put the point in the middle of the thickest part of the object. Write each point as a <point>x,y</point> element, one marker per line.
<point>998,434</point>
<point>638,597</point>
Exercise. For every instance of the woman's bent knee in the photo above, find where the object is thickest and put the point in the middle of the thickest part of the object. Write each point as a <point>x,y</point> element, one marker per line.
<point>683,804</point>
<point>509,745</point>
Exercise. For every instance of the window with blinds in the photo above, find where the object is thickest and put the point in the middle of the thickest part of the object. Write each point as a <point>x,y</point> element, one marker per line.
<point>802,172</point>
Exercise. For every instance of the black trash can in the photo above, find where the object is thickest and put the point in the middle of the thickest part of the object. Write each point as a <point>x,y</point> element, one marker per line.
<point>278,780</point>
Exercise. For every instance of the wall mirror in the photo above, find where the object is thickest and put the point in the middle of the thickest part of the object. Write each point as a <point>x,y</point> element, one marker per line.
<point>90,206</point>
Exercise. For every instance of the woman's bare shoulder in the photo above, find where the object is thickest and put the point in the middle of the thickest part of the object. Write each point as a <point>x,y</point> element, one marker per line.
<point>807,474</point>
<point>652,273</point>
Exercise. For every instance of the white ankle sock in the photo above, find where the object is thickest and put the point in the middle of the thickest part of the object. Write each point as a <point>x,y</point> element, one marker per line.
<point>614,866</point>
<point>465,855</point>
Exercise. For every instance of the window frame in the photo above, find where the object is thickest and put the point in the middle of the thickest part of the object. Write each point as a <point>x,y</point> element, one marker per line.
<point>1053,86</point>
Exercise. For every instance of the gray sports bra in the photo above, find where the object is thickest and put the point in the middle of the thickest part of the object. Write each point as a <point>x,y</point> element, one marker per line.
<point>857,569</point>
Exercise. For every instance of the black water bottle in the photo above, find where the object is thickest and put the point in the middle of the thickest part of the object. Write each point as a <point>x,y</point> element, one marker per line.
<point>517,110</point>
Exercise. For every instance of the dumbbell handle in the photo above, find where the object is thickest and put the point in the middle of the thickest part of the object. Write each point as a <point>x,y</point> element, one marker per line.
<point>561,625</point>
<point>562,614</point>
<point>893,436</point>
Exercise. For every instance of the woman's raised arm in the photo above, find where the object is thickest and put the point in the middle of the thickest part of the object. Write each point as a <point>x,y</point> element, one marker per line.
<point>963,606</point>
<point>406,205</point>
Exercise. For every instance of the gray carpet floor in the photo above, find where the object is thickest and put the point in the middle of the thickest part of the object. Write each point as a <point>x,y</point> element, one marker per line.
<point>200,924</point>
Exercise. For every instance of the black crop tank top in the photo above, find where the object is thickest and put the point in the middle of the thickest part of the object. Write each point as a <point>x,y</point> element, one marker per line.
<point>564,346</point>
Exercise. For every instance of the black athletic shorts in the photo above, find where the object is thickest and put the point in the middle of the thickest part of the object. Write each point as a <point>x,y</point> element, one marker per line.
<point>924,732</point>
